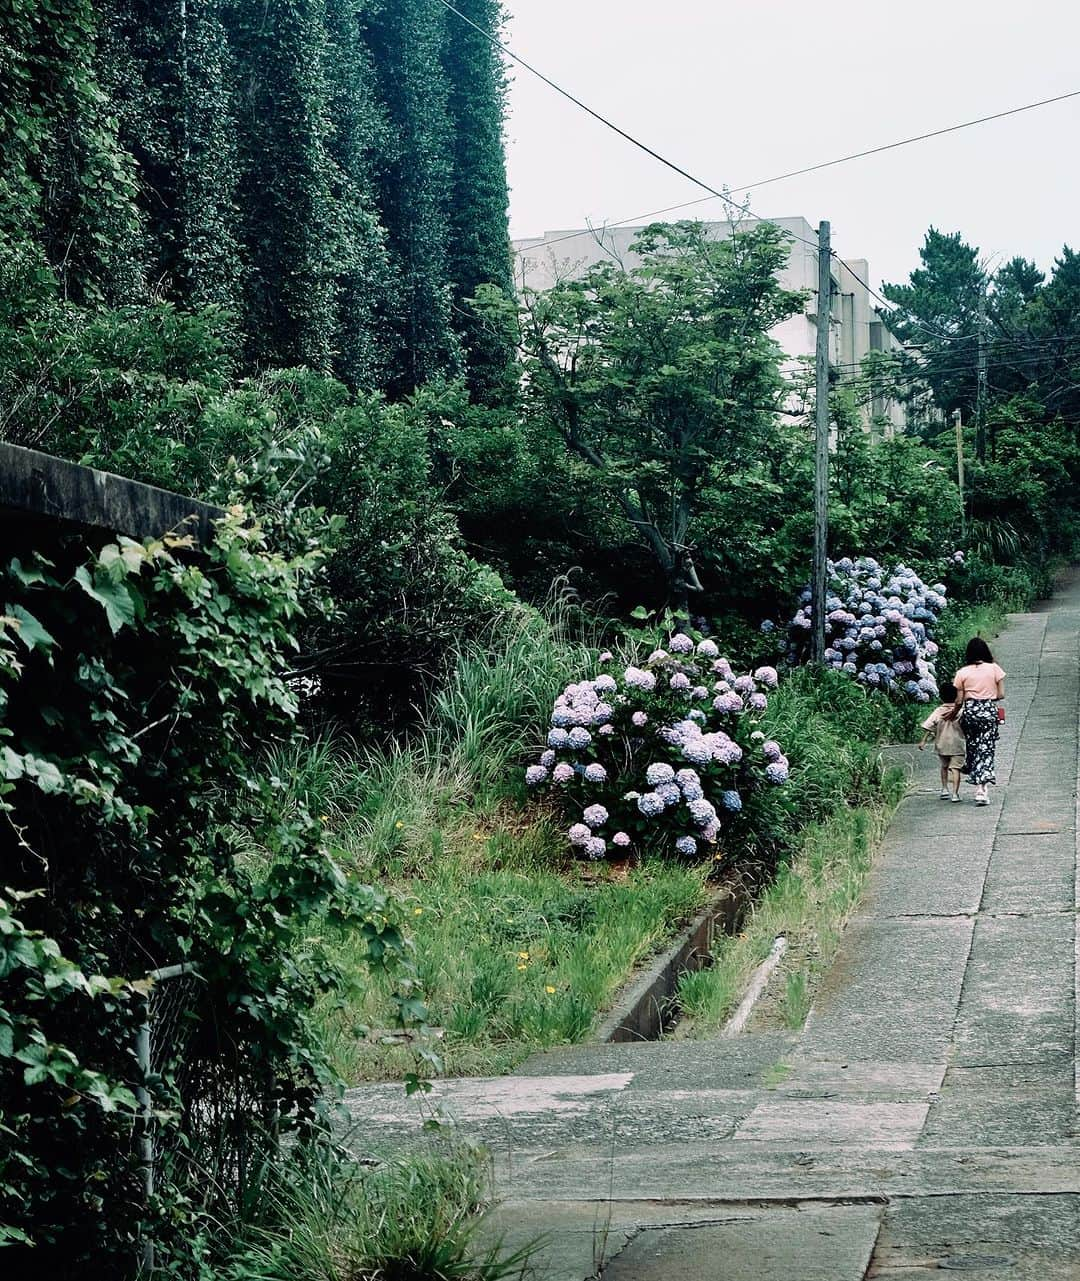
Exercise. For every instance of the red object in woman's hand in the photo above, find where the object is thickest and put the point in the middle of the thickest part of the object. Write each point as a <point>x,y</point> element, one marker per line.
<point>1001,715</point>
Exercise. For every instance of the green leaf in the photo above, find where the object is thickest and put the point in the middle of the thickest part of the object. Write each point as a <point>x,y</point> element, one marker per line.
<point>113,597</point>
<point>30,631</point>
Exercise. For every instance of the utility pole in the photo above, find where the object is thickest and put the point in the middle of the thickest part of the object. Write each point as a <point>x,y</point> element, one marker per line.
<point>959,422</point>
<point>980,389</point>
<point>821,448</point>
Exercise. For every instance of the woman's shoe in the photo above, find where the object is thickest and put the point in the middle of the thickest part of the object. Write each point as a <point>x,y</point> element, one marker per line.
<point>944,794</point>
<point>981,797</point>
<point>955,799</point>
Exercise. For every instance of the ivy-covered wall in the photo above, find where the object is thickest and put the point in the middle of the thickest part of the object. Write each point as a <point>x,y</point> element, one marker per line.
<point>329,172</point>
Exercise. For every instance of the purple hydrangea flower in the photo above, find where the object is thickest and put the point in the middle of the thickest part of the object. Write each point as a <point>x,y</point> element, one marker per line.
<point>639,719</point>
<point>578,834</point>
<point>743,684</point>
<point>679,681</point>
<point>686,846</point>
<point>605,684</point>
<point>757,702</point>
<point>606,656</point>
<point>595,815</point>
<point>606,730</point>
<point>579,737</point>
<point>777,772</point>
<point>621,839</point>
<point>771,750</point>
<point>699,691</point>
<point>558,738</point>
<point>595,847</point>
<point>680,643</point>
<point>707,649</point>
<point>595,773</point>
<point>535,775</point>
<point>547,758</point>
<point>659,772</point>
<point>602,713</point>
<point>767,676</point>
<point>562,773</point>
<point>638,679</point>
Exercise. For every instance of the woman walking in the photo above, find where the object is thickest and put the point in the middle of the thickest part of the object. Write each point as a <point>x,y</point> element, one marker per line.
<point>980,689</point>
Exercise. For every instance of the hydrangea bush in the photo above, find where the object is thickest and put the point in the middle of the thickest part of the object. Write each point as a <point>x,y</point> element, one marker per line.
<point>879,627</point>
<point>661,755</point>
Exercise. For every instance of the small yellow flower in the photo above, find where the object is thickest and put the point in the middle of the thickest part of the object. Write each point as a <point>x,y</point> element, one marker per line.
<point>418,911</point>
<point>523,956</point>
<point>478,836</point>
<point>549,990</point>
<point>324,818</point>
<point>523,966</point>
<point>399,826</point>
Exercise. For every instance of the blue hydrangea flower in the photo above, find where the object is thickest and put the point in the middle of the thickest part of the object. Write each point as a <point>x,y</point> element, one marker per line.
<point>659,772</point>
<point>535,775</point>
<point>579,737</point>
<point>650,804</point>
<point>707,649</point>
<point>558,738</point>
<point>776,772</point>
<point>669,793</point>
<point>680,643</point>
<point>595,773</point>
<point>686,846</point>
<point>702,811</point>
<point>595,847</point>
<point>731,800</point>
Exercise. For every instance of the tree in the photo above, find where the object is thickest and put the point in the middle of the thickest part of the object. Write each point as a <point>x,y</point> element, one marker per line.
<point>478,250</point>
<point>661,380</point>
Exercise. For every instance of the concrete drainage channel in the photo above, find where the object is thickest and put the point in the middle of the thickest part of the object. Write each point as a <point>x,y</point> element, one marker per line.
<point>648,1006</point>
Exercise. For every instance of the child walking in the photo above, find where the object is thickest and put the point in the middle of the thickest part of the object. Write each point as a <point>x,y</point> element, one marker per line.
<point>949,743</point>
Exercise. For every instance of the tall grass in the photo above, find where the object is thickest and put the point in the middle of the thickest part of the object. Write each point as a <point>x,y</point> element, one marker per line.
<point>323,1217</point>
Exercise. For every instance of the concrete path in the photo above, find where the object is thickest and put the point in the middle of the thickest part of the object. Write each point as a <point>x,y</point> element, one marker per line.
<point>924,1120</point>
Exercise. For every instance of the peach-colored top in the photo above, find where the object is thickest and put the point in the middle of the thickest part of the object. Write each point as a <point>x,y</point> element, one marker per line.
<point>979,680</point>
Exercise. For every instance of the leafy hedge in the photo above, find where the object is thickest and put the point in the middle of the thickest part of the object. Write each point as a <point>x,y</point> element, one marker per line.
<point>138,685</point>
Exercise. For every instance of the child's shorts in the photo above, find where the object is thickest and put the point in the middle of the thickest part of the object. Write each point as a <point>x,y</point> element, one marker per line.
<point>952,762</point>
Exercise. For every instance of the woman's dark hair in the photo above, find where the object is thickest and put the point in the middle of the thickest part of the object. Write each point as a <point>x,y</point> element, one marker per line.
<point>948,692</point>
<point>978,651</point>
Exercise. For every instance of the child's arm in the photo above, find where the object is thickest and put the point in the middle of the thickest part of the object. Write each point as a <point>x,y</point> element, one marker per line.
<point>927,735</point>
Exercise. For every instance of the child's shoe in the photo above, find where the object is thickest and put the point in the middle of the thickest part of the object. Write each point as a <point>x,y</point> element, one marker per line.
<point>955,799</point>
<point>944,794</point>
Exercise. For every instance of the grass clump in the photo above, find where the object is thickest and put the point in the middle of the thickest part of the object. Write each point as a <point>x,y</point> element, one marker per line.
<point>417,1218</point>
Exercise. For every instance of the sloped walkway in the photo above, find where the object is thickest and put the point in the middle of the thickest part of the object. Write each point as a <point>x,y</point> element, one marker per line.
<point>925,1118</point>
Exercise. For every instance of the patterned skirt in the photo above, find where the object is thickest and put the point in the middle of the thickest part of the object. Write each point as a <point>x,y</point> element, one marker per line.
<point>978,717</point>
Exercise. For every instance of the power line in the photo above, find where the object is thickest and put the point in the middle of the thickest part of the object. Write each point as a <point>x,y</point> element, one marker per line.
<point>610,124</point>
<point>725,196</point>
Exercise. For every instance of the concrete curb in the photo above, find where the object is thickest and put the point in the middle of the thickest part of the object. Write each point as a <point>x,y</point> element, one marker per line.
<point>643,1008</point>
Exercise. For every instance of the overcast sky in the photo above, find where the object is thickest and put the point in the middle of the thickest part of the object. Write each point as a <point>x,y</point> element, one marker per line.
<point>735,93</point>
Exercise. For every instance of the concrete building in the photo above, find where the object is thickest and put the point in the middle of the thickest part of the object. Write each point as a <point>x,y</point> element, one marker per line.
<point>855,327</point>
